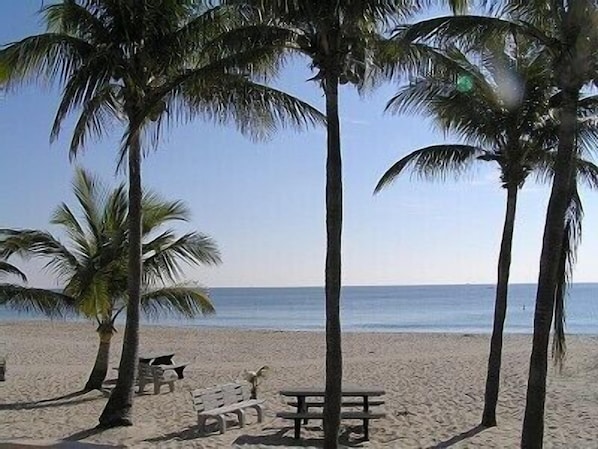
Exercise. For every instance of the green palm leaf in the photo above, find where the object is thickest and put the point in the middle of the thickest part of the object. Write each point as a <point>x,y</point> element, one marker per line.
<point>183,301</point>
<point>27,299</point>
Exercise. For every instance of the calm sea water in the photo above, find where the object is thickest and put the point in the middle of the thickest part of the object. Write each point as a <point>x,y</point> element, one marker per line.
<point>438,308</point>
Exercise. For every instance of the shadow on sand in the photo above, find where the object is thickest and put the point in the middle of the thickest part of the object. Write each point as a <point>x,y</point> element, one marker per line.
<point>270,436</point>
<point>68,399</point>
<point>82,434</point>
<point>458,438</point>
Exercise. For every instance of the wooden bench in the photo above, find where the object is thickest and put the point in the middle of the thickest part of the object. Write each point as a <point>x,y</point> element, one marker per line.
<point>363,416</point>
<point>158,375</point>
<point>223,400</point>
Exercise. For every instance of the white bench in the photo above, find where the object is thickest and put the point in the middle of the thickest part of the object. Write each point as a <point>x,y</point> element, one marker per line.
<point>158,375</point>
<point>223,400</point>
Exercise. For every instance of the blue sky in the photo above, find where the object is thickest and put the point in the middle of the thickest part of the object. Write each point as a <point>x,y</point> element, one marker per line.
<point>264,202</point>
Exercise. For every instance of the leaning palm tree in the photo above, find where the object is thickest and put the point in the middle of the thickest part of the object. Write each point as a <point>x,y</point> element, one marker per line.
<point>340,39</point>
<point>501,108</point>
<point>92,263</point>
<point>143,66</point>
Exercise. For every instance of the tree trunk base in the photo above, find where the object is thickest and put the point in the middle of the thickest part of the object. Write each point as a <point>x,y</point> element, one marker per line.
<point>91,386</point>
<point>116,419</point>
<point>488,422</point>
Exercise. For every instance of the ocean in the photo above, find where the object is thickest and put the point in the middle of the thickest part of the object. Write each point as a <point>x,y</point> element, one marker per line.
<point>428,308</point>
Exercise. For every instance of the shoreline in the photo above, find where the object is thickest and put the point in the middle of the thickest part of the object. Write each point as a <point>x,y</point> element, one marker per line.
<point>464,333</point>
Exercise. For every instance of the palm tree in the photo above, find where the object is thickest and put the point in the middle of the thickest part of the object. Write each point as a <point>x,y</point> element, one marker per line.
<point>145,65</point>
<point>502,110</point>
<point>340,40</point>
<point>566,31</point>
<point>92,265</point>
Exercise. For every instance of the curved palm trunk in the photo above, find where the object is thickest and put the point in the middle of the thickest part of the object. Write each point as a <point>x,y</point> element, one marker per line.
<point>533,423</point>
<point>118,409</point>
<point>334,217</point>
<point>100,367</point>
<point>500,311</point>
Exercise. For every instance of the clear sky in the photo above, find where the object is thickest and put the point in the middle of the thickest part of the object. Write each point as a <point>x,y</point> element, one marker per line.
<point>264,202</point>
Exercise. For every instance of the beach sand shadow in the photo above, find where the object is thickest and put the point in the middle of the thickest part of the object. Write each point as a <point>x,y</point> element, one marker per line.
<point>82,434</point>
<point>283,437</point>
<point>458,438</point>
<point>76,397</point>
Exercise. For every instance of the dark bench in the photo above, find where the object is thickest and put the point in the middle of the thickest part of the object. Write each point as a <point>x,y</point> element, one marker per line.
<point>361,415</point>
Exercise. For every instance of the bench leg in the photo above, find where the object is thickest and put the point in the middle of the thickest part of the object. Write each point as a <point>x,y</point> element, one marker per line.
<point>297,429</point>
<point>260,412</point>
<point>156,387</point>
<point>221,422</point>
<point>171,385</point>
<point>366,430</point>
<point>241,417</point>
<point>201,424</point>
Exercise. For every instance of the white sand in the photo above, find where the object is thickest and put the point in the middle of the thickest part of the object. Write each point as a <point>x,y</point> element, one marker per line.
<point>434,387</point>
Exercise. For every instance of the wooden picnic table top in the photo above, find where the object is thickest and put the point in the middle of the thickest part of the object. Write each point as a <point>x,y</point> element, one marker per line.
<point>320,391</point>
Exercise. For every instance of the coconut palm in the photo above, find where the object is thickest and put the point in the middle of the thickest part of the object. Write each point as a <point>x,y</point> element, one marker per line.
<point>143,66</point>
<point>501,109</point>
<point>92,263</point>
<point>340,39</point>
<point>566,30</point>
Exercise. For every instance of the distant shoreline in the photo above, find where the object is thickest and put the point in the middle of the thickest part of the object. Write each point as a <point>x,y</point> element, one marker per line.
<point>200,328</point>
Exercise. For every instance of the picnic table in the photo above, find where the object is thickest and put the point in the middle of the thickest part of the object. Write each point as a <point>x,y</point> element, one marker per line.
<point>359,397</point>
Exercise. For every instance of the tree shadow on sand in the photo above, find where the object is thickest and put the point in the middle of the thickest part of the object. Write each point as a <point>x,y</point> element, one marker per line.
<point>458,438</point>
<point>76,397</point>
<point>82,434</point>
<point>278,437</point>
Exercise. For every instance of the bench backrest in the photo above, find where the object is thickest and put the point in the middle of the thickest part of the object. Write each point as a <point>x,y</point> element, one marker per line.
<point>220,396</point>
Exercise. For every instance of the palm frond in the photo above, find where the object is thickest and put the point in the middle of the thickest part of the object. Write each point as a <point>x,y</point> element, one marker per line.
<point>433,162</point>
<point>25,299</point>
<point>29,243</point>
<point>7,268</point>
<point>186,302</point>
<point>571,242</point>
<point>163,256</point>
<point>45,57</point>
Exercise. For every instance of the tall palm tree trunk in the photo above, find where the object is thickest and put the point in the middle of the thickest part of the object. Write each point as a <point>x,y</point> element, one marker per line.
<point>533,423</point>
<point>100,367</point>
<point>119,407</point>
<point>334,218</point>
<point>500,311</point>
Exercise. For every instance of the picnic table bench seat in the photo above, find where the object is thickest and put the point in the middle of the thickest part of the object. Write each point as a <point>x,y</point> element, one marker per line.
<point>297,417</point>
<point>218,402</point>
<point>159,375</point>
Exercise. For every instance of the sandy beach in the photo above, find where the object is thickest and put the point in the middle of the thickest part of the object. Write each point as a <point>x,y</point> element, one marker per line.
<point>434,387</point>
